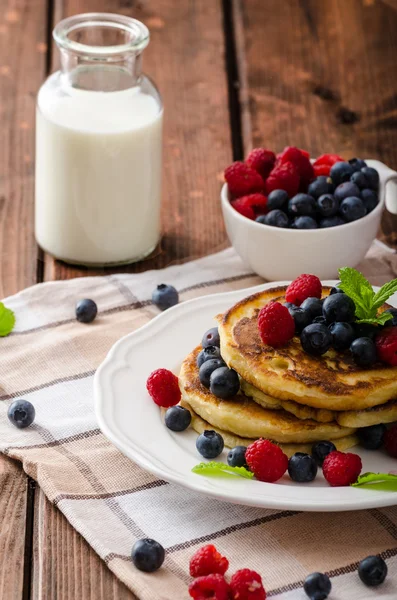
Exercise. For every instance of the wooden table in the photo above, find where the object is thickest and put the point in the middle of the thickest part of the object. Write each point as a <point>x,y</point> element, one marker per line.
<point>233,74</point>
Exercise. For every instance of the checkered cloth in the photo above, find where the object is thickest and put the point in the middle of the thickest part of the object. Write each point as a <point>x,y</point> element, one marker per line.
<point>50,360</point>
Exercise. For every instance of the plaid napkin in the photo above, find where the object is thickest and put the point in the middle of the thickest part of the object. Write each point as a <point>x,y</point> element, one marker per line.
<point>50,360</point>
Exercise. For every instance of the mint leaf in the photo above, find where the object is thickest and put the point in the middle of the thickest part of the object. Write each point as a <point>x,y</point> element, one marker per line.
<point>358,288</point>
<point>377,481</point>
<point>384,293</point>
<point>378,320</point>
<point>218,469</point>
<point>7,320</point>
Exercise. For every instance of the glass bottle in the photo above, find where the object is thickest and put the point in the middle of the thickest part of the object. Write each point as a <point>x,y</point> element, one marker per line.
<point>99,145</point>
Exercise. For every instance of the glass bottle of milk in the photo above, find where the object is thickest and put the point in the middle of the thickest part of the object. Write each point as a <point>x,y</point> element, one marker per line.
<point>98,145</point>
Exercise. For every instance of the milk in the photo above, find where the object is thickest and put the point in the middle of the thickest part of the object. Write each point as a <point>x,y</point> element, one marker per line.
<point>98,174</point>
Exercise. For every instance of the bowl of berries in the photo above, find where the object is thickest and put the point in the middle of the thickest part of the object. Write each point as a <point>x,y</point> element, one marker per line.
<point>288,213</point>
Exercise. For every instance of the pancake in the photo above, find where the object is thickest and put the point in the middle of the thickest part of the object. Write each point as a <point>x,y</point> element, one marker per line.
<point>386,413</point>
<point>332,381</point>
<point>231,439</point>
<point>243,417</point>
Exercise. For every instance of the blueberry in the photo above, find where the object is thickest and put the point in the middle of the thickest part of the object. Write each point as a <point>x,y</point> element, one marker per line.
<point>357,163</point>
<point>344,190</point>
<point>211,338</point>
<point>371,437</point>
<point>373,177</point>
<point>341,172</point>
<point>301,317</point>
<point>369,199</point>
<point>147,555</point>
<point>317,586</point>
<point>177,418</point>
<point>321,449</point>
<point>392,321</point>
<point>165,296</point>
<point>302,205</point>
<point>365,330</point>
<point>86,310</point>
<point>352,208</point>
<point>336,290</point>
<point>372,570</point>
<point>207,368</point>
<point>342,335</point>
<point>277,218</point>
<point>321,185</point>
<point>363,350</point>
<point>320,320</point>
<point>236,457</point>
<point>304,223</point>
<point>314,306</point>
<point>21,413</point>
<point>338,307</point>
<point>302,467</point>
<point>224,383</point>
<point>316,339</point>
<point>331,222</point>
<point>277,199</point>
<point>210,444</point>
<point>261,219</point>
<point>291,305</point>
<point>327,205</point>
<point>207,354</point>
<point>360,180</point>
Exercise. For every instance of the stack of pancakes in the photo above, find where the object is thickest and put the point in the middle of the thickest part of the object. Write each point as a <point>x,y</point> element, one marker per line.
<point>287,395</point>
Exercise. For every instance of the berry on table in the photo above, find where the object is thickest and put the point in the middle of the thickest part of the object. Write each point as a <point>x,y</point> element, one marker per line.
<point>386,345</point>
<point>369,199</point>
<point>207,368</point>
<point>207,560</point>
<point>360,180</point>
<point>317,586</point>
<point>177,418</point>
<point>372,176</point>
<point>316,339</point>
<point>250,206</point>
<point>304,286</point>
<point>261,160</point>
<point>243,180</point>
<point>276,325</point>
<point>327,205</point>
<point>304,223</point>
<point>211,338</point>
<point>321,449</point>
<point>302,205</point>
<point>320,186</point>
<point>266,460</point>
<point>372,571</point>
<point>338,307</point>
<point>352,209</point>
<point>247,585</point>
<point>344,190</point>
<point>21,413</point>
<point>390,441</point>
<point>207,353</point>
<point>277,199</point>
<point>314,306</point>
<point>283,177</point>
<point>147,555</point>
<point>343,335</point>
<point>302,317</point>
<point>276,218</point>
<point>302,163</point>
<point>340,468</point>
<point>236,457</point>
<point>328,159</point>
<point>86,310</point>
<point>210,444</point>
<point>341,172</point>
<point>371,437</point>
<point>213,586</point>
<point>363,351</point>
<point>302,467</point>
<point>163,388</point>
<point>331,222</point>
<point>224,383</point>
<point>322,170</point>
<point>165,296</point>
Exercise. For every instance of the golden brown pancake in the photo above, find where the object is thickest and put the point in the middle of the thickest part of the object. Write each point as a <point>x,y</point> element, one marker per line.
<point>332,381</point>
<point>385,413</point>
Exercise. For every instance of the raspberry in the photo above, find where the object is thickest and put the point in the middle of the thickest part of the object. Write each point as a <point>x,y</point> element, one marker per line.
<point>208,560</point>
<point>390,441</point>
<point>328,159</point>
<point>301,162</point>
<point>163,388</point>
<point>386,346</point>
<point>213,587</point>
<point>304,286</point>
<point>283,177</point>
<point>322,170</point>
<point>250,206</point>
<point>247,585</point>
<point>266,460</point>
<point>342,468</point>
<point>304,152</point>
<point>261,160</point>
<point>243,180</point>
<point>276,325</point>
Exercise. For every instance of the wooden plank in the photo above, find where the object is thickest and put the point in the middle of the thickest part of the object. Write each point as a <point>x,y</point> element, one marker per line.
<point>185,58</point>
<point>13,484</point>
<point>22,68</point>
<point>318,75</point>
<point>64,565</point>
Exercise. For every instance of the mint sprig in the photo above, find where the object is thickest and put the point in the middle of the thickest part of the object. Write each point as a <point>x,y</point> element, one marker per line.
<point>367,302</point>
<point>218,469</point>
<point>385,482</point>
<point>7,320</point>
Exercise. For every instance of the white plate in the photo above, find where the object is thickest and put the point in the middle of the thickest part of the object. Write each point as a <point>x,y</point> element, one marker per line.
<point>129,418</point>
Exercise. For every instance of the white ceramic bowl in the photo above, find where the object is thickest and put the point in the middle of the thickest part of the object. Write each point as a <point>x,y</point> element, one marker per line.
<point>275,253</point>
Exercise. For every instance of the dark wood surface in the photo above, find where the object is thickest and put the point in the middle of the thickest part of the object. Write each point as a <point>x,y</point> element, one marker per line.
<point>233,74</point>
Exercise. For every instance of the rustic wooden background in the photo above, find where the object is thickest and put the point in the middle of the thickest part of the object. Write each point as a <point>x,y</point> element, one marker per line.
<point>233,74</point>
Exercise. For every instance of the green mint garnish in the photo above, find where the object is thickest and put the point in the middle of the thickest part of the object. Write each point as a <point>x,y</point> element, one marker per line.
<point>377,481</point>
<point>218,469</point>
<point>7,320</point>
<point>367,302</point>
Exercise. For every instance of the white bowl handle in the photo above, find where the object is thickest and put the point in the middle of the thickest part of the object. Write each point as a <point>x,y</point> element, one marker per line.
<point>389,180</point>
